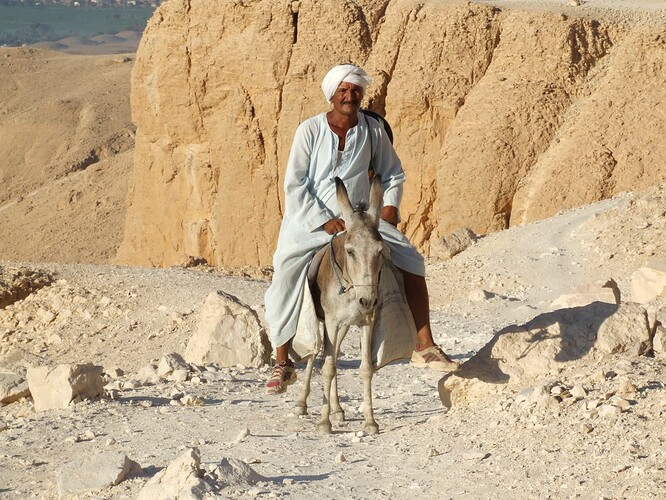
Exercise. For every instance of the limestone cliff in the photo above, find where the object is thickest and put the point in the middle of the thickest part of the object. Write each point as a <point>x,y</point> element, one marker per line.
<point>500,116</point>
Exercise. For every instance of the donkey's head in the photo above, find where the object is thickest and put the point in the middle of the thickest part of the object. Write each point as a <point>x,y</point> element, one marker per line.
<point>363,245</point>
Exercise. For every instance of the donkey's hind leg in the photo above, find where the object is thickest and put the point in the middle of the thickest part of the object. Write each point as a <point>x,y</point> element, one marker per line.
<point>302,404</point>
<point>328,374</point>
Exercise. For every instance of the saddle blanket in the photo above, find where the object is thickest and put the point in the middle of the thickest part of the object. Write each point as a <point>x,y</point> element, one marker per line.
<point>394,332</point>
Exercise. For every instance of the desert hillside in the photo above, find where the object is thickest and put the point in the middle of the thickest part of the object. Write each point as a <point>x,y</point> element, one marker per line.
<point>66,155</point>
<point>503,113</point>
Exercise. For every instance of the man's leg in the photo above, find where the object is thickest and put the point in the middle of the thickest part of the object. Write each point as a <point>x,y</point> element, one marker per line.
<point>283,372</point>
<point>416,290</point>
<point>282,353</point>
<point>427,354</point>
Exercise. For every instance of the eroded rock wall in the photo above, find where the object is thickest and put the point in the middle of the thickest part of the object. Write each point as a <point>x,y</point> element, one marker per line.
<point>493,112</point>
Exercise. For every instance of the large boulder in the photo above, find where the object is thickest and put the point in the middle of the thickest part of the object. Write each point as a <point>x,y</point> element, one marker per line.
<point>56,387</point>
<point>229,333</point>
<point>183,478</point>
<point>452,244</point>
<point>649,282</point>
<point>517,356</point>
<point>94,473</point>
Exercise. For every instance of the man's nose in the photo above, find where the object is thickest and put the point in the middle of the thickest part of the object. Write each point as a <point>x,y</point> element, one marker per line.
<point>350,94</point>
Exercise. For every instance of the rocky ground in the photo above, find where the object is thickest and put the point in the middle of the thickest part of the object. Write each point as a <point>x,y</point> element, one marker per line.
<point>594,431</point>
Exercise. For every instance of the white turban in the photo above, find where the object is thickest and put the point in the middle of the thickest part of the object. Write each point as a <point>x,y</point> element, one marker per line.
<point>343,73</point>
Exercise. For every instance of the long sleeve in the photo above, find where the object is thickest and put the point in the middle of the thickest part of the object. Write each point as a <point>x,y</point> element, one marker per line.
<point>387,164</point>
<point>300,202</point>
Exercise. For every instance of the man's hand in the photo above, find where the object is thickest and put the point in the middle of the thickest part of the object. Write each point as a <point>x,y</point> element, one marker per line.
<point>334,226</point>
<point>390,214</point>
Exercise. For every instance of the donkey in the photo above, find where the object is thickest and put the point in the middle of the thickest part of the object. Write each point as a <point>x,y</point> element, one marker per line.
<point>346,294</point>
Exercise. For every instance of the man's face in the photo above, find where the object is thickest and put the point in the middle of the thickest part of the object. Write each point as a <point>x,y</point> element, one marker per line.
<point>347,98</point>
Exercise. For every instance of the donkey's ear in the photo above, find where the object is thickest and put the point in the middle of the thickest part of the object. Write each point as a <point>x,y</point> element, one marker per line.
<point>376,198</point>
<point>344,204</point>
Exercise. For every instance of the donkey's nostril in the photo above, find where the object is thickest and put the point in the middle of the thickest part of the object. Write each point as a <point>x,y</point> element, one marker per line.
<point>367,303</point>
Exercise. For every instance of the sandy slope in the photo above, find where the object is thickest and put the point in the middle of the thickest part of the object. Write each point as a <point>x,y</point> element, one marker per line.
<point>65,156</point>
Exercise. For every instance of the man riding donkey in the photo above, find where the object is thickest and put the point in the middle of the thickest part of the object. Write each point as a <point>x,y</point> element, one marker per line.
<point>340,143</point>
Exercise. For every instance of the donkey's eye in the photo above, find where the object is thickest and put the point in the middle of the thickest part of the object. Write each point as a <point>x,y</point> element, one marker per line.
<point>350,252</point>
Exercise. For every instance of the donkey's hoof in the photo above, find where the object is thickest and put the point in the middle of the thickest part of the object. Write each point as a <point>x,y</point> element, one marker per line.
<point>338,416</point>
<point>301,410</point>
<point>371,428</point>
<point>324,427</point>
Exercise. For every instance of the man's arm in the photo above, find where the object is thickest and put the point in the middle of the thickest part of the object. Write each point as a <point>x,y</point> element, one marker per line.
<point>388,166</point>
<point>299,201</point>
<point>390,214</point>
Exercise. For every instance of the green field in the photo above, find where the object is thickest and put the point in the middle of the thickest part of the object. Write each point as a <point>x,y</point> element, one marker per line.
<point>29,24</point>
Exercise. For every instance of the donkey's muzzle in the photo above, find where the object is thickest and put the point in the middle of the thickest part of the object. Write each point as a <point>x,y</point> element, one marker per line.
<point>367,304</point>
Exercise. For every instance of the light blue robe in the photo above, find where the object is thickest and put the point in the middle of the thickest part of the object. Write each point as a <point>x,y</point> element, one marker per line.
<point>310,202</point>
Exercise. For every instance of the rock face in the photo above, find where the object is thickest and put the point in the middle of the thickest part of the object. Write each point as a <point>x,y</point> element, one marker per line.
<point>500,117</point>
<point>229,333</point>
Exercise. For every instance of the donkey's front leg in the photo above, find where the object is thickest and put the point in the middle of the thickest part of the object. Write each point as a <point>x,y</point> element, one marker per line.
<point>337,414</point>
<point>302,404</point>
<point>367,371</point>
<point>328,374</point>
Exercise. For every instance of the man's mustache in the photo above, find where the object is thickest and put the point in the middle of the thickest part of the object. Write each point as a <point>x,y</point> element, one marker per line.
<point>356,103</point>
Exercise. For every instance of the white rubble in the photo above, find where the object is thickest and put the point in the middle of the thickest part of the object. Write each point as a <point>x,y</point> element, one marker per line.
<point>229,334</point>
<point>94,473</point>
<point>452,244</point>
<point>234,472</point>
<point>56,387</point>
<point>599,291</point>
<point>626,330</point>
<point>649,281</point>
<point>12,387</point>
<point>182,479</point>
<point>172,366</point>
<point>148,375</point>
